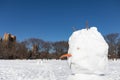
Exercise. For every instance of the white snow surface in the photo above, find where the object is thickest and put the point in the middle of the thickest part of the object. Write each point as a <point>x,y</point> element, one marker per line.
<point>50,70</point>
<point>89,52</point>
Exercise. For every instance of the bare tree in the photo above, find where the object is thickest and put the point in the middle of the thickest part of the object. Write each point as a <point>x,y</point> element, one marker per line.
<point>35,46</point>
<point>60,47</point>
<point>119,48</point>
<point>112,40</point>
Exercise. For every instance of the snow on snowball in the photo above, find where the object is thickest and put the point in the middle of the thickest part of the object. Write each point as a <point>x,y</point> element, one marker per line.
<point>89,52</point>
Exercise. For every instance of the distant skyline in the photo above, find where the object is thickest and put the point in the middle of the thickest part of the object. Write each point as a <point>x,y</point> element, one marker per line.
<point>52,20</point>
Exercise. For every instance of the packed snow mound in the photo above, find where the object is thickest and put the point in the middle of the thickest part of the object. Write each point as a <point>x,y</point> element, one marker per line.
<point>89,51</point>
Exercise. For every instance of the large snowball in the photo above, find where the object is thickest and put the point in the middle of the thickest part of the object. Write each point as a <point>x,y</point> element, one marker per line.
<point>89,51</point>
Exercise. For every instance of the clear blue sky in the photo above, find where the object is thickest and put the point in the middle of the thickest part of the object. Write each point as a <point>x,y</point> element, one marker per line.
<point>52,20</point>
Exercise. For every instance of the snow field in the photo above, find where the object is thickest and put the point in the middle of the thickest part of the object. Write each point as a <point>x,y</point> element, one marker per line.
<point>49,70</point>
<point>32,70</point>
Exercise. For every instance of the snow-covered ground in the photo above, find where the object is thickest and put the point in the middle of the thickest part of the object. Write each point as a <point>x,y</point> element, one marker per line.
<point>46,70</point>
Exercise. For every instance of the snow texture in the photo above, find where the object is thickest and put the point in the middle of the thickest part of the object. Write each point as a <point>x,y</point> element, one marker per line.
<point>89,52</point>
<point>49,70</point>
<point>33,70</point>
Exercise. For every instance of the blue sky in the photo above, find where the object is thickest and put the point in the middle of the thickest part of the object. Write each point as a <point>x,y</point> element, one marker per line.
<point>52,20</point>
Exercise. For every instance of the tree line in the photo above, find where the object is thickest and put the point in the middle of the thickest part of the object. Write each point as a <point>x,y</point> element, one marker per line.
<point>32,48</point>
<point>35,48</point>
